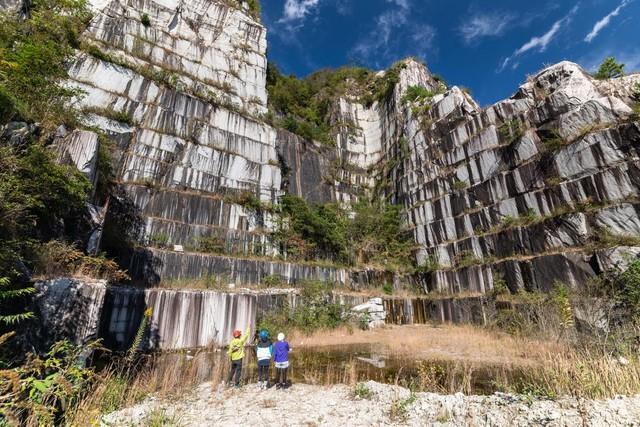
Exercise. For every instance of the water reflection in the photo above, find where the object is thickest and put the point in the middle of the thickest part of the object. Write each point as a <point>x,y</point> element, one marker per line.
<point>339,364</point>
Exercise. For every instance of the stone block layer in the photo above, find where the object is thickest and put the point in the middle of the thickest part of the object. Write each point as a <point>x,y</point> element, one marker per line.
<point>521,191</point>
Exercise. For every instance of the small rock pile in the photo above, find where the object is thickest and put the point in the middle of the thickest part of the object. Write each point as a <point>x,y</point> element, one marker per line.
<point>372,313</point>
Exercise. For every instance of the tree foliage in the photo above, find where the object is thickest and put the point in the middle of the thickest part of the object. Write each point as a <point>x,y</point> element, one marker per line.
<point>40,390</point>
<point>609,69</point>
<point>377,234</point>
<point>372,234</point>
<point>629,284</point>
<point>34,54</point>
<point>302,105</point>
<point>315,310</point>
<point>39,199</point>
<point>311,232</point>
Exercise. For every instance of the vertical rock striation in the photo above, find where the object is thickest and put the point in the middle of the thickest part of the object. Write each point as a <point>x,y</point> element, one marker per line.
<point>180,318</point>
<point>534,189</point>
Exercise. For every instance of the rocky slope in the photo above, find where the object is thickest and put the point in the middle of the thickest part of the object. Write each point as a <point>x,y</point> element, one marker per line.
<point>532,190</point>
<point>336,405</point>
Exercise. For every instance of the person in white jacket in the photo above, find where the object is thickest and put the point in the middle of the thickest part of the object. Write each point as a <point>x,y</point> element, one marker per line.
<point>264,352</point>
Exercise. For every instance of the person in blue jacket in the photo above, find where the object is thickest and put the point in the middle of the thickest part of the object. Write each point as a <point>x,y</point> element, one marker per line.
<point>264,351</point>
<point>281,351</point>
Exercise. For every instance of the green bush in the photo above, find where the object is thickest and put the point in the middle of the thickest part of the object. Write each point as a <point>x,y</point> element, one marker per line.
<point>211,244</point>
<point>609,69</point>
<point>273,281</point>
<point>37,196</point>
<point>145,20</point>
<point>159,240</point>
<point>553,142</point>
<point>35,54</point>
<point>39,200</point>
<point>322,226</point>
<point>39,391</point>
<point>387,288</point>
<point>383,86</point>
<point>8,295</point>
<point>511,132</point>
<point>373,233</point>
<point>630,287</point>
<point>314,310</point>
<point>459,185</point>
<point>302,106</point>
<point>420,93</point>
<point>246,199</point>
<point>121,116</point>
<point>57,258</point>
<point>378,235</point>
<point>254,8</point>
<point>362,391</point>
<point>399,410</point>
<point>428,266</point>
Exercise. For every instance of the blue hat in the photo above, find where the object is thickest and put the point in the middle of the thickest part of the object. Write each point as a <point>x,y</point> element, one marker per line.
<point>264,334</point>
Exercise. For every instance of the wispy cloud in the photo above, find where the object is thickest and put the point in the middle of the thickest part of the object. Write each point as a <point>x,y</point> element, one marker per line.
<point>391,27</point>
<point>482,25</point>
<point>297,10</point>
<point>344,7</point>
<point>605,21</point>
<point>541,42</point>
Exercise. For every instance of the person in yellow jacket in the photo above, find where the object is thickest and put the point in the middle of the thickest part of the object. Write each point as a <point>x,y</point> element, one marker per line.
<point>236,354</point>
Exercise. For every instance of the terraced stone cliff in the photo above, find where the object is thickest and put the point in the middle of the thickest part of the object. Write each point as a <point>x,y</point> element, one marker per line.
<point>534,189</point>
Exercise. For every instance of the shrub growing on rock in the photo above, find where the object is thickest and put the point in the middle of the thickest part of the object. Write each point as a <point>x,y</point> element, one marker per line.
<point>145,20</point>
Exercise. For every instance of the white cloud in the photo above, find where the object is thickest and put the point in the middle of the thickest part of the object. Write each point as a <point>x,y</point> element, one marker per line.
<point>296,10</point>
<point>485,25</point>
<point>392,27</point>
<point>385,25</point>
<point>541,42</point>
<point>605,21</point>
<point>343,7</point>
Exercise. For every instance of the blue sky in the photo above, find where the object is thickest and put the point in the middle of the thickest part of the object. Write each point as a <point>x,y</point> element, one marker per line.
<point>487,46</point>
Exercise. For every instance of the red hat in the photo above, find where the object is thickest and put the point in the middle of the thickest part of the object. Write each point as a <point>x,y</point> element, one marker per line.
<point>237,333</point>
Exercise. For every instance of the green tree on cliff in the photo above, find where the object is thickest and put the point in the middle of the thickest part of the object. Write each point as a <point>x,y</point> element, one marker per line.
<point>609,69</point>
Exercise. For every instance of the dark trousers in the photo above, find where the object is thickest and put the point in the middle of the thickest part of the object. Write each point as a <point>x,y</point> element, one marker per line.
<point>236,369</point>
<point>263,373</point>
<point>281,376</point>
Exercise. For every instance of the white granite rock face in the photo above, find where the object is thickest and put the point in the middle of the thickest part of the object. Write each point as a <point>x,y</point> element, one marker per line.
<point>70,309</point>
<point>80,148</point>
<point>208,45</point>
<point>504,188</point>
<point>181,100</point>
<point>495,192</point>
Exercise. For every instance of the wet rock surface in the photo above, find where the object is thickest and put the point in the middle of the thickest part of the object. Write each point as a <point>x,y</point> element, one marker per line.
<point>69,309</point>
<point>336,405</point>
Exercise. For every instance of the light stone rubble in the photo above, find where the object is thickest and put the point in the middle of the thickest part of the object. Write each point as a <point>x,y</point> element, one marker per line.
<point>336,405</point>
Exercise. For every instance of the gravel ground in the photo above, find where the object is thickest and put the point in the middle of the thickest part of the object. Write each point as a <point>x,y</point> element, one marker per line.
<point>307,405</point>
